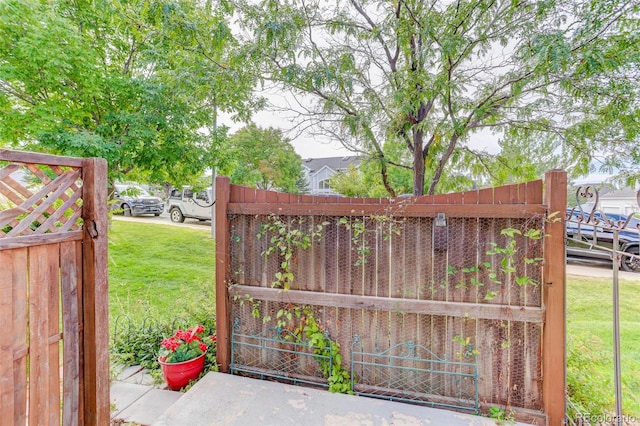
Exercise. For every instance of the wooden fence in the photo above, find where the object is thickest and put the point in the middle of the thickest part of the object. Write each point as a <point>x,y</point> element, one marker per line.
<point>441,271</point>
<point>53,290</point>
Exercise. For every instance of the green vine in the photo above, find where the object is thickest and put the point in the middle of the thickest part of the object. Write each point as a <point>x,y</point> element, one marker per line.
<point>467,351</point>
<point>506,259</point>
<point>501,416</point>
<point>286,238</point>
<point>359,233</point>
<point>329,357</point>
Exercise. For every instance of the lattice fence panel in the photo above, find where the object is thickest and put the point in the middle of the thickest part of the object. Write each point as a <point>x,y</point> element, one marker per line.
<point>39,199</point>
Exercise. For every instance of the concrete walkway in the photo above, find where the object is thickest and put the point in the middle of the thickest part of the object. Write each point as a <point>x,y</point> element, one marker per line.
<point>135,399</point>
<point>225,399</point>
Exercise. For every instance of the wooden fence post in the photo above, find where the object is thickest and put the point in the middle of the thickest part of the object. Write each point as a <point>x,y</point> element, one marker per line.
<point>95,328</point>
<point>554,339</point>
<point>223,256</point>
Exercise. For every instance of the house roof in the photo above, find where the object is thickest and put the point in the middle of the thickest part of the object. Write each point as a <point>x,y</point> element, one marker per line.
<point>627,192</point>
<point>334,163</point>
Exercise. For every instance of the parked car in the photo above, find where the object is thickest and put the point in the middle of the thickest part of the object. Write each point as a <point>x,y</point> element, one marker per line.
<point>184,203</point>
<point>134,200</point>
<point>593,239</point>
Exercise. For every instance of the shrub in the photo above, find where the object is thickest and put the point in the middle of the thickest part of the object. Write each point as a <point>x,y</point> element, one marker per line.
<point>138,342</point>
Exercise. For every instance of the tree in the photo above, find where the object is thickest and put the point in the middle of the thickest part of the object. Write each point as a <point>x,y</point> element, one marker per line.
<point>428,76</point>
<point>139,84</point>
<point>262,158</point>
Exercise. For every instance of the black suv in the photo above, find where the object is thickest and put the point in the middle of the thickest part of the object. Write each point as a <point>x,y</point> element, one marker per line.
<point>133,200</point>
<point>591,237</point>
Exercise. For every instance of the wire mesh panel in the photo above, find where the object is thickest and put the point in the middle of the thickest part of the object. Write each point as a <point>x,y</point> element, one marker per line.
<point>277,353</point>
<point>412,373</point>
<point>447,273</point>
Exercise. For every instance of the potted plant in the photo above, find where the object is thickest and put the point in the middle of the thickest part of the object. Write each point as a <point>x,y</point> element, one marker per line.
<point>182,356</point>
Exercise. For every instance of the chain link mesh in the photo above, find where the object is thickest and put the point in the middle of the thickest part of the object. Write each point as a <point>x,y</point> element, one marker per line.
<point>484,263</point>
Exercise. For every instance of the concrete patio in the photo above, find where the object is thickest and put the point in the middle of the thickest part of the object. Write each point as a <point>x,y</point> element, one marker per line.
<point>224,399</point>
<point>136,399</point>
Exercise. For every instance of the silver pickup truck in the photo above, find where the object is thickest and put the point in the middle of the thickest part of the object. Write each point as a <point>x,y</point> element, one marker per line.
<point>187,204</point>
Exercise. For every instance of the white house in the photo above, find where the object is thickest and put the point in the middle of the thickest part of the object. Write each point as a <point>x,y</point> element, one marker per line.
<point>624,201</point>
<point>610,200</point>
<point>318,171</point>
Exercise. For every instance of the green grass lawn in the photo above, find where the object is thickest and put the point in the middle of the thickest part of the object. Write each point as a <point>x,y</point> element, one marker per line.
<point>165,272</point>
<point>590,341</point>
<point>159,271</point>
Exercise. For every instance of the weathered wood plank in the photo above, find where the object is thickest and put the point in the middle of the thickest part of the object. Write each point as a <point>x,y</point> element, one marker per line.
<point>95,385</point>
<point>554,357</point>
<point>43,368</point>
<point>34,240</point>
<point>13,293</point>
<point>391,304</point>
<point>71,278</point>
<point>534,192</point>
<point>9,215</point>
<point>9,169</point>
<point>417,210</point>
<point>53,333</point>
<point>223,279</point>
<point>19,267</point>
<point>34,157</point>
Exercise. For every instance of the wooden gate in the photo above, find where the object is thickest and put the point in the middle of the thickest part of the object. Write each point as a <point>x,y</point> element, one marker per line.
<point>54,360</point>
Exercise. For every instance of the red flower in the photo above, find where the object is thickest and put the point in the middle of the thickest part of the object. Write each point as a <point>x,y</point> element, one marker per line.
<point>185,345</point>
<point>171,344</point>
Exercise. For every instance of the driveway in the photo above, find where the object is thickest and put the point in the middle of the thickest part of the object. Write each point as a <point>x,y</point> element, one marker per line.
<point>585,268</point>
<point>163,219</point>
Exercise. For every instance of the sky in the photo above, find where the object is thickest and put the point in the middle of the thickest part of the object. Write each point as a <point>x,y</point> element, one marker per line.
<point>308,146</point>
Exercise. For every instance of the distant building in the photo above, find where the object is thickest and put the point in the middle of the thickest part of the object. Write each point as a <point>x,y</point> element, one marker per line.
<point>318,171</point>
<point>610,200</point>
<point>624,201</point>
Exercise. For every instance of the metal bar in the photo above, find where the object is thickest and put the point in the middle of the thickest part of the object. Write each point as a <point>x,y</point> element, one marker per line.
<point>616,330</point>
<point>466,397</point>
<point>418,370</point>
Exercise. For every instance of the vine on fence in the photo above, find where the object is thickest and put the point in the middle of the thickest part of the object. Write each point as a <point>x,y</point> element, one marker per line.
<point>359,236</point>
<point>286,237</point>
<point>506,260</point>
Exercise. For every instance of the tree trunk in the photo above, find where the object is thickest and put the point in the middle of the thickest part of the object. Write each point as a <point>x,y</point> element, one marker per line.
<point>418,163</point>
<point>385,178</point>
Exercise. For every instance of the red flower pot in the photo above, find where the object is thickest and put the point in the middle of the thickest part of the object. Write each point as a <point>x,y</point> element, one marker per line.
<point>178,375</point>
